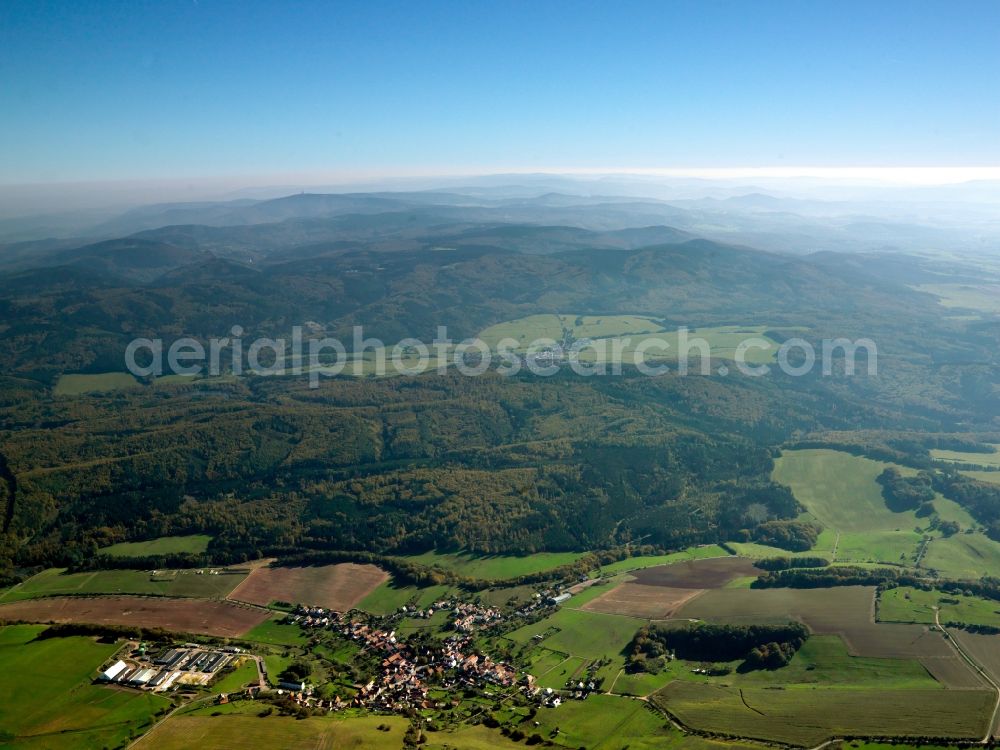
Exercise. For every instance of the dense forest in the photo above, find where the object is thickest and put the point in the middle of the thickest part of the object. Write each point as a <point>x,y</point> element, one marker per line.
<point>760,646</point>
<point>489,464</point>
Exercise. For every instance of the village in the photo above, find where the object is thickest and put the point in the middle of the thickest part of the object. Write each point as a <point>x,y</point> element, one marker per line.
<point>408,670</point>
<point>408,673</point>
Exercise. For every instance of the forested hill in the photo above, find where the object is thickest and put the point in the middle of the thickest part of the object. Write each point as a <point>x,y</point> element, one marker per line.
<point>490,464</point>
<point>80,317</point>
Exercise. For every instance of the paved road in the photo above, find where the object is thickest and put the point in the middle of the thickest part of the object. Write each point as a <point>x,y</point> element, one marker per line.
<point>979,669</point>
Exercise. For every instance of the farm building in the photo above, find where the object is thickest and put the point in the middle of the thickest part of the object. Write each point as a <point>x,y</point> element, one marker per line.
<point>142,677</point>
<point>214,662</point>
<point>170,658</point>
<point>165,685</point>
<point>114,671</point>
<point>159,679</point>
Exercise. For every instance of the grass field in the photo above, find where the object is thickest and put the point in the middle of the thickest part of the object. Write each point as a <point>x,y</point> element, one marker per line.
<point>693,553</point>
<point>807,717</point>
<point>496,567</point>
<point>62,708</point>
<point>824,547</point>
<point>587,634</point>
<point>388,598</point>
<point>164,582</point>
<point>990,463</point>
<point>839,491</point>
<point>470,738</point>
<point>963,556</point>
<point>277,633</point>
<point>975,459</point>
<point>982,297</point>
<point>240,729</point>
<point>605,722</point>
<point>245,672</point>
<point>906,604</point>
<point>823,661</point>
<point>525,330</point>
<point>276,664</point>
<point>339,587</point>
<point>566,670</point>
<point>898,547</point>
<point>107,382</point>
<point>607,328</point>
<point>195,544</point>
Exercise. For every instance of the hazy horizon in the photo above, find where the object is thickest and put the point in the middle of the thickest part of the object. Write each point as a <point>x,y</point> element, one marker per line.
<point>218,92</point>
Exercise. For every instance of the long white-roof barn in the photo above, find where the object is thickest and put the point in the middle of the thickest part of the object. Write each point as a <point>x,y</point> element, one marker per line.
<point>114,670</point>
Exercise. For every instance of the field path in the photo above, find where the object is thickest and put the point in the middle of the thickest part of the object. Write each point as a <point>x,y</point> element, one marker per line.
<point>982,673</point>
<point>611,690</point>
<point>165,717</point>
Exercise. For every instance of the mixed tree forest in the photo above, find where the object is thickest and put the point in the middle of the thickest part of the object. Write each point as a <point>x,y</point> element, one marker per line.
<point>491,464</point>
<point>499,376</point>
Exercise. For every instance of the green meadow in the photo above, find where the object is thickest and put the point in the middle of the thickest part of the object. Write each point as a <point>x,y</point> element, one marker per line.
<point>245,672</point>
<point>989,463</point>
<point>55,581</point>
<point>277,633</point>
<point>692,553</point>
<point>495,567</point>
<point>388,597</point>
<point>907,604</point>
<point>982,297</point>
<point>195,544</point>
<point>239,726</point>
<point>963,556</point>
<point>615,329</point>
<point>964,457</point>
<point>48,699</point>
<point>606,722</point>
<point>807,717</point>
<point>840,492</point>
<point>823,661</point>
<point>105,382</point>
<point>591,635</point>
<point>469,738</point>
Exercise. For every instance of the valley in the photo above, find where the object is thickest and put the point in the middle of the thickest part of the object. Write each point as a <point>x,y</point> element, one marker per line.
<point>470,562</point>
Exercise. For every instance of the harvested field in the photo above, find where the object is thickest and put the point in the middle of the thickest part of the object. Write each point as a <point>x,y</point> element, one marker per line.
<point>985,649</point>
<point>845,611</point>
<point>639,600</point>
<point>953,672</point>
<point>199,616</point>
<point>807,717</point>
<point>697,574</point>
<point>339,587</point>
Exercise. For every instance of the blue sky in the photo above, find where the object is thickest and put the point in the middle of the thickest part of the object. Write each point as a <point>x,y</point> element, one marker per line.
<point>186,89</point>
